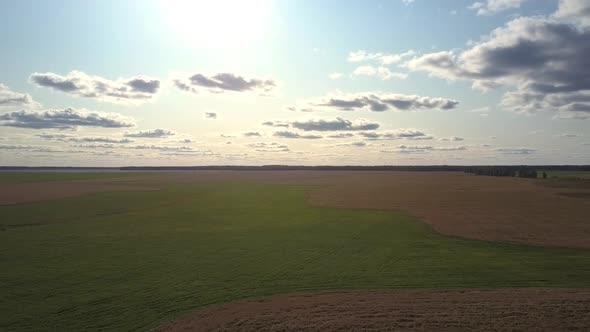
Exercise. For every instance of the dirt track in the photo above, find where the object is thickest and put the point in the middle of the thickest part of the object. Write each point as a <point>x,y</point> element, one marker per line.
<point>476,207</point>
<point>465,310</point>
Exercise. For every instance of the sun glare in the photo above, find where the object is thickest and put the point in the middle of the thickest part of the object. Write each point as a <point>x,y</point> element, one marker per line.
<point>220,24</point>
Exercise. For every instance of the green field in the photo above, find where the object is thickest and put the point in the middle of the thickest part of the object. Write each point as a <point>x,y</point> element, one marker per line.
<point>585,175</point>
<point>131,260</point>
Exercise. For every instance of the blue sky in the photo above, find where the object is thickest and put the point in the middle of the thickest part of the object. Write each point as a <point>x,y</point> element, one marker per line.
<point>115,83</point>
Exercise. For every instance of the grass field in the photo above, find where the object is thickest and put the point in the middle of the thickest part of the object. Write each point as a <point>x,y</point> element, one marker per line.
<point>566,174</point>
<point>131,260</point>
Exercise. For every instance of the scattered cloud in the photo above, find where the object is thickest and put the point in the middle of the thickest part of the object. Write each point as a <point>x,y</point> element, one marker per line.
<point>139,88</point>
<point>523,151</point>
<point>451,148</point>
<point>577,11</point>
<point>451,139</point>
<point>490,7</point>
<point>338,124</point>
<point>419,149</point>
<point>382,58</point>
<point>68,118</point>
<point>96,146</point>
<point>276,124</point>
<point>56,137</point>
<point>165,148</point>
<point>405,133</point>
<point>379,102</point>
<point>160,149</point>
<point>567,135</point>
<point>186,140</point>
<point>354,144</point>
<point>37,149</point>
<point>225,82</point>
<point>210,115</point>
<point>88,139</point>
<point>152,133</point>
<point>410,149</point>
<point>382,72</point>
<point>543,58</point>
<point>341,135</point>
<point>291,134</point>
<point>10,99</point>
<point>252,134</point>
<point>484,109</point>
<point>101,140</point>
<point>269,147</point>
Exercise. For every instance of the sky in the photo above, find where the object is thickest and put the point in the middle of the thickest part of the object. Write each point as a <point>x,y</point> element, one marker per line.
<point>294,82</point>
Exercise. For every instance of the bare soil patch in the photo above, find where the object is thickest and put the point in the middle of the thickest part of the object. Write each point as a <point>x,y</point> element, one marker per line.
<point>475,207</point>
<point>41,191</point>
<point>404,310</point>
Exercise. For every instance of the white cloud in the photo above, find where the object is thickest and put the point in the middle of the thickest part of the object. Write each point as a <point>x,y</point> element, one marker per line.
<point>484,109</point>
<point>451,139</point>
<point>382,72</point>
<point>490,7</point>
<point>152,133</point>
<point>382,58</point>
<point>11,100</point>
<point>577,11</point>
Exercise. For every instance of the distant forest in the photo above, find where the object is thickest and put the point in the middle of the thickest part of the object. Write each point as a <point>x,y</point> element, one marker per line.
<point>500,170</point>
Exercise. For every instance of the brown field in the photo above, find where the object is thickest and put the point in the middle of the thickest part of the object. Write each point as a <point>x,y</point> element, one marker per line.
<point>33,192</point>
<point>537,212</point>
<point>464,310</point>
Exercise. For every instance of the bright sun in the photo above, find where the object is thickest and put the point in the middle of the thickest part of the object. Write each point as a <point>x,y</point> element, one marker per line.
<point>218,24</point>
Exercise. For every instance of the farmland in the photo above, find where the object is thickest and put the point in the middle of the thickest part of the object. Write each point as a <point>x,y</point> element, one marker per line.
<point>584,175</point>
<point>136,251</point>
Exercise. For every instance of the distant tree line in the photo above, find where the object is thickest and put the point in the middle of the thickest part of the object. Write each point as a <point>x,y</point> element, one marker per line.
<point>513,171</point>
<point>498,170</point>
